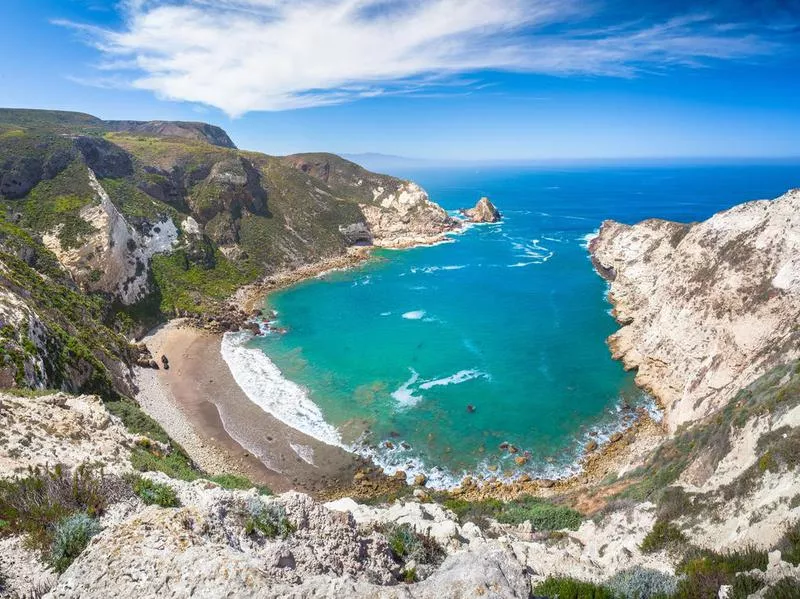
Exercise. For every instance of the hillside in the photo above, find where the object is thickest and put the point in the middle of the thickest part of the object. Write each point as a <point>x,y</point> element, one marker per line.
<point>152,219</point>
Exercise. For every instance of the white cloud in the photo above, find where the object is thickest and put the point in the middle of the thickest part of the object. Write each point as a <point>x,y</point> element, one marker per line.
<point>245,55</point>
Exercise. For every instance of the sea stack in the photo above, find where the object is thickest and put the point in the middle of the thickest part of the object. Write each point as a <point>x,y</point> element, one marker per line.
<point>483,212</point>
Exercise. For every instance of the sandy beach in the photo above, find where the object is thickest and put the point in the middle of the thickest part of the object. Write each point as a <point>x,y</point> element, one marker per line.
<point>200,405</point>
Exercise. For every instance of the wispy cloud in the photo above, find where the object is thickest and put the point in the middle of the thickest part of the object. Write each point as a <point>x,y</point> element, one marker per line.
<point>246,55</point>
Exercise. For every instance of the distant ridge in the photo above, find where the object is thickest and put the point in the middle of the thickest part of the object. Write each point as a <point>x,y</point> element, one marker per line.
<point>70,122</point>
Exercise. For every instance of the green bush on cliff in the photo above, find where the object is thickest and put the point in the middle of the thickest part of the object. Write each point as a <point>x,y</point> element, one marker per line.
<point>786,588</point>
<point>34,505</point>
<point>542,514</point>
<point>705,571</point>
<point>268,520</point>
<point>71,536</point>
<point>569,588</point>
<point>407,545</point>
<point>152,493</point>
<point>642,583</point>
<point>663,536</point>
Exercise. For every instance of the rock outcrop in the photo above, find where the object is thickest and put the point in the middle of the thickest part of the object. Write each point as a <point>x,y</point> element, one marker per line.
<point>60,429</point>
<point>705,308</point>
<point>396,213</point>
<point>483,212</point>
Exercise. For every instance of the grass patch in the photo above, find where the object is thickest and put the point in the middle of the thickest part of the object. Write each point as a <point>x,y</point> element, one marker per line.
<point>786,588</point>
<point>175,464</point>
<point>664,536</point>
<point>569,588</point>
<point>745,585</point>
<point>705,571</point>
<point>152,493</point>
<point>35,505</point>
<point>187,285</point>
<point>235,482</point>
<point>136,421</point>
<point>789,545</point>
<point>542,514</point>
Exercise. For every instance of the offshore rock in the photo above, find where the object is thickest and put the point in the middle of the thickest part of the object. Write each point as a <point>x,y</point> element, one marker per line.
<point>483,212</point>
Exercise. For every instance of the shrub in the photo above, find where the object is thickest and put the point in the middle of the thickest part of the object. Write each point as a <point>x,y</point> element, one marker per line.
<point>407,545</point>
<point>269,520</point>
<point>785,588</point>
<point>153,493</point>
<point>664,535</point>
<point>642,583</point>
<point>569,588</point>
<point>789,545</point>
<point>70,538</point>
<point>745,585</point>
<point>409,576</point>
<point>34,505</point>
<point>234,482</point>
<point>175,464</point>
<point>542,514</point>
<point>705,571</point>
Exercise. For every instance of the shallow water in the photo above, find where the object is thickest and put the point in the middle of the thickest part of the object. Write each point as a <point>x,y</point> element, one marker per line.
<point>509,318</point>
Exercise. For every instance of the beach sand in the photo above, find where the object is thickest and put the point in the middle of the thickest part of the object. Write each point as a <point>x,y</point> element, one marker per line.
<point>197,394</point>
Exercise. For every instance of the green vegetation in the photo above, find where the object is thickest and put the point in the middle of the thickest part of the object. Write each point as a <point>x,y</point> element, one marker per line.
<point>789,545</point>
<point>188,286</point>
<point>235,482</point>
<point>705,571</point>
<point>745,585</point>
<point>542,514</point>
<point>154,493</point>
<point>133,203</point>
<point>664,536</point>
<point>786,588</point>
<point>175,464</point>
<point>136,421</point>
<point>408,545</point>
<point>268,520</point>
<point>36,505</point>
<point>569,588</point>
<point>71,536</point>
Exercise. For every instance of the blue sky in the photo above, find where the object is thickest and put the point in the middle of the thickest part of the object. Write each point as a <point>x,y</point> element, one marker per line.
<point>448,79</point>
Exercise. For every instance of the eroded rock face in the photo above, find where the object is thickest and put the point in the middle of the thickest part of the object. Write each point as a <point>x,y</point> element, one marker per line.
<point>483,212</point>
<point>405,216</point>
<point>705,308</point>
<point>114,257</point>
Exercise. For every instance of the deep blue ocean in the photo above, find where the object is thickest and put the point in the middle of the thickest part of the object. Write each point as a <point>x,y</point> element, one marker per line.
<point>510,319</point>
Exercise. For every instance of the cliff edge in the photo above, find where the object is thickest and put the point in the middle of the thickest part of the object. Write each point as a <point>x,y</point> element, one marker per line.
<point>705,308</point>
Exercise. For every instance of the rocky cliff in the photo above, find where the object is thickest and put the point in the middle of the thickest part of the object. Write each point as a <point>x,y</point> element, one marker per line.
<point>154,219</point>
<point>705,308</point>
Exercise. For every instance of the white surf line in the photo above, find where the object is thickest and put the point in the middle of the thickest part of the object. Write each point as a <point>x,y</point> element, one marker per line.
<point>265,386</point>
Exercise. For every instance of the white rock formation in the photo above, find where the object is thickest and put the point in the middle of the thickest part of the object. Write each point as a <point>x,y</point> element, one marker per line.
<point>705,308</point>
<point>405,216</point>
<point>60,429</point>
<point>114,257</point>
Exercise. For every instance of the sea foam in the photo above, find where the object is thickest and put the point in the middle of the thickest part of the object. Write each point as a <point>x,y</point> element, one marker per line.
<point>265,386</point>
<point>414,315</point>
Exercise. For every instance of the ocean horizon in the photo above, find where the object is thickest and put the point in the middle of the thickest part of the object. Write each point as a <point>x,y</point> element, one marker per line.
<point>426,360</point>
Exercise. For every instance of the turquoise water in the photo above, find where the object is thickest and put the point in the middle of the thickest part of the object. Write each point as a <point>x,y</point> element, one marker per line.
<point>509,318</point>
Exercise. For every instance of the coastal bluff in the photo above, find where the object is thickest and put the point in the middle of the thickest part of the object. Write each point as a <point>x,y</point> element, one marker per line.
<point>705,308</point>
